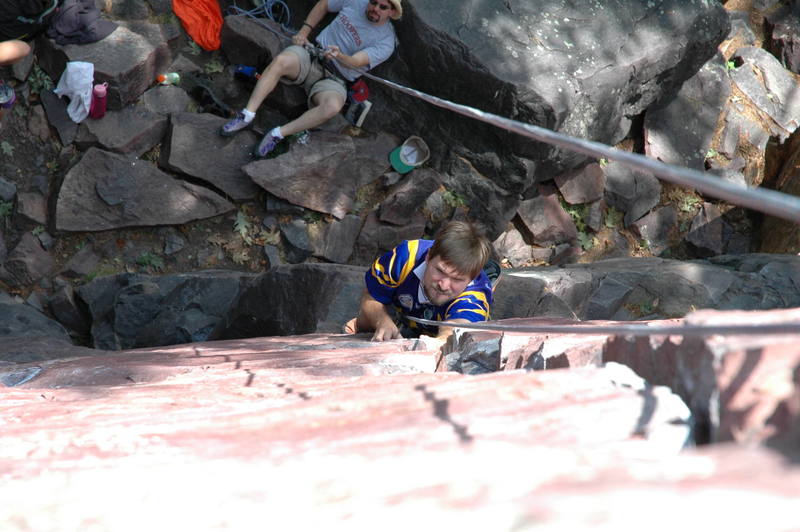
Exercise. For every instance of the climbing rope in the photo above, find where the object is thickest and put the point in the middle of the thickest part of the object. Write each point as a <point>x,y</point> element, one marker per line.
<point>267,9</point>
<point>686,330</point>
<point>767,201</point>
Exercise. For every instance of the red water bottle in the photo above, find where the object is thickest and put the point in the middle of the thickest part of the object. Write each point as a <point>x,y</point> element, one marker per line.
<point>97,109</point>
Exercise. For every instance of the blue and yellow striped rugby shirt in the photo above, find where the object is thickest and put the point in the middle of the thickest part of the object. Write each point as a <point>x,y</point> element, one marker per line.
<point>395,279</point>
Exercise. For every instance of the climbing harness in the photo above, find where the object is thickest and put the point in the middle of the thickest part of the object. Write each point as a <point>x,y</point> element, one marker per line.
<point>758,199</point>
<point>687,330</point>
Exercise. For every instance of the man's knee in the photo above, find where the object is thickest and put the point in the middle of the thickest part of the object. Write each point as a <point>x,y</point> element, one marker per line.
<point>330,104</point>
<point>284,64</point>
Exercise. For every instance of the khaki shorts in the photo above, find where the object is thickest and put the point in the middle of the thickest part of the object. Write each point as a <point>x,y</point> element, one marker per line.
<point>313,77</point>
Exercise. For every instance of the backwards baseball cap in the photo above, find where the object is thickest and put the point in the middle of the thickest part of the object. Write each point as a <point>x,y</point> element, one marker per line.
<point>412,153</point>
<point>398,9</point>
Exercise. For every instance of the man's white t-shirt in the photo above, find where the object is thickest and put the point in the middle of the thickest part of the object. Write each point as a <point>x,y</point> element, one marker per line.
<point>352,32</point>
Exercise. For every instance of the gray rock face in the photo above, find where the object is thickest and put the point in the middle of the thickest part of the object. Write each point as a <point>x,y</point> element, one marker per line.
<point>376,237</point>
<point>582,186</point>
<point>770,87</point>
<point>299,299</point>
<point>408,196</point>
<point>536,64</point>
<point>131,131</point>
<point>297,244</point>
<point>166,99</point>
<point>334,241</point>
<point>27,262</point>
<point>56,110</point>
<point>130,58</point>
<point>783,28</point>
<point>656,227</point>
<point>680,133</point>
<point>512,247</point>
<point>630,191</point>
<point>486,201</point>
<point>195,148</point>
<point>139,310</point>
<point>20,320</point>
<point>475,354</point>
<point>546,220</point>
<point>650,288</point>
<point>68,311</point>
<point>107,191</point>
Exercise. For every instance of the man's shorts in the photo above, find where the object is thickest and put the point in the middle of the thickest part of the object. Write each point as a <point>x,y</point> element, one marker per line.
<point>313,77</point>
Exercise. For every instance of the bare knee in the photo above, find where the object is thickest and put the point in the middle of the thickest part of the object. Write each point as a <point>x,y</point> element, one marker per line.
<point>13,51</point>
<point>331,105</point>
<point>284,64</point>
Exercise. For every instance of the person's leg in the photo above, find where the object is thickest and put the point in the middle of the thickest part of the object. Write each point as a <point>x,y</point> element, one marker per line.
<point>287,65</point>
<point>13,51</point>
<point>325,106</point>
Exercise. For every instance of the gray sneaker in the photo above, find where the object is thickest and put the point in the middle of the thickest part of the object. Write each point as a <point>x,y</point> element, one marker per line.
<point>234,126</point>
<point>265,147</point>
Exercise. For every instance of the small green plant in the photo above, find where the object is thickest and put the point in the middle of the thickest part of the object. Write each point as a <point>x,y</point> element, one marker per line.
<point>453,199</point>
<point>603,162</point>
<point>730,65</point>
<point>312,217</point>
<point>150,260</point>
<point>243,226</point>
<point>192,48</point>
<point>38,230</point>
<point>213,67</point>
<point>586,241</point>
<point>711,153</point>
<point>578,214</point>
<point>613,218</point>
<point>5,208</point>
<point>7,148</point>
<point>39,81</point>
<point>689,203</point>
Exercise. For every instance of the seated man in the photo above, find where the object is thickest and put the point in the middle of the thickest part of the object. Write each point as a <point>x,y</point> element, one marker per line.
<point>437,279</point>
<point>360,37</point>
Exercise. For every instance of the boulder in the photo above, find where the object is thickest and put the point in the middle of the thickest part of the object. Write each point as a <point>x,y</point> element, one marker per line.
<point>27,263</point>
<point>377,238</point>
<point>407,197</point>
<point>194,147</point>
<point>107,191</point>
<point>770,87</point>
<point>129,59</point>
<point>132,310</point>
<point>580,68</point>
<point>334,241</point>
<point>546,220</point>
<point>680,131</point>
<point>317,176</point>
<point>21,320</point>
<point>132,130</point>
<point>630,191</point>
<point>296,299</point>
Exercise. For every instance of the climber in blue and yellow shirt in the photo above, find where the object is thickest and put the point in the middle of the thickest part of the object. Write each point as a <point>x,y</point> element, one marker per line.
<point>440,279</point>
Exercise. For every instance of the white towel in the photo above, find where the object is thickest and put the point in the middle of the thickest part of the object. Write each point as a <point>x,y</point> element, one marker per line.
<point>76,84</point>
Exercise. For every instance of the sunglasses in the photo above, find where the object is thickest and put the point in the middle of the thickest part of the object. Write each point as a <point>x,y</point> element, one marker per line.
<point>382,7</point>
